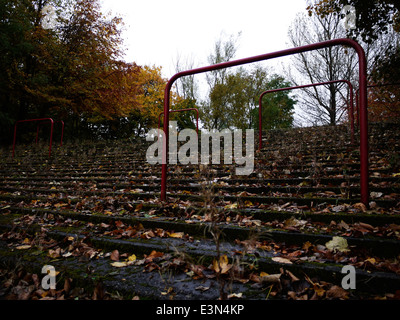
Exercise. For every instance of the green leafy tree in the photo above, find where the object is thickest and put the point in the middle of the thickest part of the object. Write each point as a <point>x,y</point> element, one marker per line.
<point>234,93</point>
<point>277,107</point>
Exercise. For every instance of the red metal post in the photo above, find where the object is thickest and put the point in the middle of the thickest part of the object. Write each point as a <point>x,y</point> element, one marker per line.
<point>51,136</point>
<point>34,120</point>
<point>181,110</point>
<point>349,105</point>
<point>325,44</point>
<point>62,131</point>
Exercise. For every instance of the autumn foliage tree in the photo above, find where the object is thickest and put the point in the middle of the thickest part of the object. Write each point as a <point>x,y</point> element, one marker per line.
<point>73,70</point>
<point>384,102</point>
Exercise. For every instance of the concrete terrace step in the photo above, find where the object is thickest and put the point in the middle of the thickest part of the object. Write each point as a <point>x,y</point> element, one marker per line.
<point>75,209</point>
<point>202,249</point>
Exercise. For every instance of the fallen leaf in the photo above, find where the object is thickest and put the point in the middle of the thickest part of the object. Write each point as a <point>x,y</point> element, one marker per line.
<point>375,195</point>
<point>176,235</point>
<point>270,278</point>
<point>154,254</point>
<point>114,255</point>
<point>119,224</point>
<point>360,206</point>
<point>366,226</point>
<point>55,253</point>
<point>23,247</point>
<point>222,265</point>
<point>371,260</point>
<point>319,290</point>
<point>282,260</point>
<point>119,264</point>
<point>307,245</point>
<point>235,295</point>
<point>231,206</point>
<point>67,285</point>
<point>132,258</point>
<point>148,234</point>
<point>337,292</point>
<point>343,225</point>
<point>202,288</point>
<point>338,244</point>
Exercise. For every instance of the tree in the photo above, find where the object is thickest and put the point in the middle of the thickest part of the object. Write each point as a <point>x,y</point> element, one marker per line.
<point>91,50</point>
<point>374,20</point>
<point>384,103</point>
<point>234,93</point>
<point>71,71</point>
<point>322,104</point>
<point>277,107</point>
<point>373,17</point>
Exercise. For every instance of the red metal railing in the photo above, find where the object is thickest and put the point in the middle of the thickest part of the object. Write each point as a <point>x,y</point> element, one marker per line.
<point>362,66</point>
<point>182,110</point>
<point>62,131</point>
<point>371,86</point>
<point>349,105</point>
<point>34,120</point>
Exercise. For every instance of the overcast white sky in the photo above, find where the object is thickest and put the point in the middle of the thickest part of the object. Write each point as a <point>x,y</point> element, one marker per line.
<point>158,31</point>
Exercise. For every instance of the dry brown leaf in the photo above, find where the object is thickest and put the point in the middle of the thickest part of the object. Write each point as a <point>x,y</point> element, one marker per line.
<point>222,266</point>
<point>270,278</point>
<point>67,286</point>
<point>114,255</point>
<point>336,292</point>
<point>360,206</point>
<point>307,245</point>
<point>319,290</point>
<point>55,253</point>
<point>154,254</point>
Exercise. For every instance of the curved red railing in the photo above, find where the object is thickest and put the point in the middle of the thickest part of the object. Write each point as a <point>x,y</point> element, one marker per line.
<point>371,86</point>
<point>362,67</point>
<point>62,131</point>
<point>34,120</point>
<point>182,110</point>
<point>349,105</point>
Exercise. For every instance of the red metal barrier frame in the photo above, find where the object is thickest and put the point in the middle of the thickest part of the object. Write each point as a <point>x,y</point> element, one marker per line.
<point>362,66</point>
<point>349,105</point>
<point>182,110</point>
<point>62,132</point>
<point>34,120</point>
